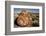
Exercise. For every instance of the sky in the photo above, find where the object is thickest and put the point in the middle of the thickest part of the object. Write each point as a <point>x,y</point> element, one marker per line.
<point>29,10</point>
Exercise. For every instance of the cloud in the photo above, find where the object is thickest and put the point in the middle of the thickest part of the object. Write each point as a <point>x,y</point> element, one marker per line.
<point>29,10</point>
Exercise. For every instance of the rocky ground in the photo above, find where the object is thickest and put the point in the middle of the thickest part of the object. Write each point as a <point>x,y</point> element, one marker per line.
<point>34,22</point>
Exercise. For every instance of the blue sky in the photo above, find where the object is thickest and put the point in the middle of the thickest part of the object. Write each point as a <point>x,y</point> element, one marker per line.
<point>30,10</point>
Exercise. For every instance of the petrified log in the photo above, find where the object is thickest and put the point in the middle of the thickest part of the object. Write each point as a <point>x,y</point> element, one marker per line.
<point>24,20</point>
